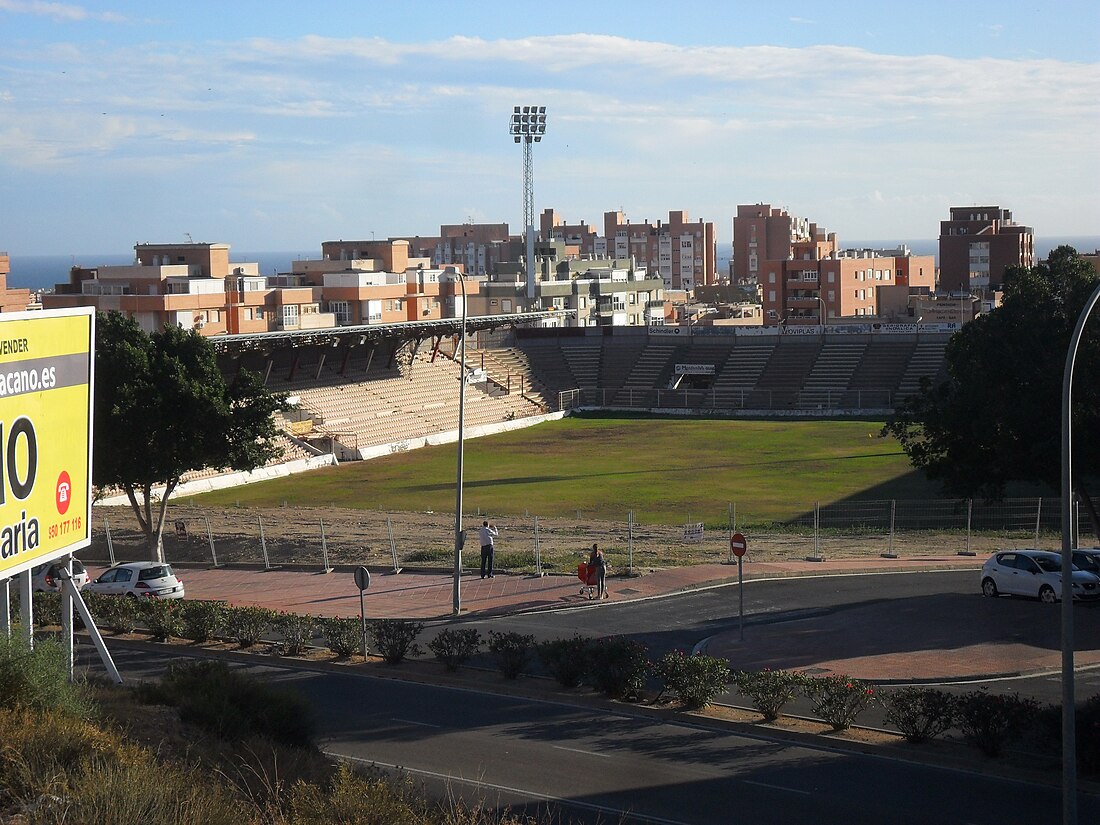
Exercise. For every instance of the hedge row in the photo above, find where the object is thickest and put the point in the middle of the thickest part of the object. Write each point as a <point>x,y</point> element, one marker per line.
<point>616,666</point>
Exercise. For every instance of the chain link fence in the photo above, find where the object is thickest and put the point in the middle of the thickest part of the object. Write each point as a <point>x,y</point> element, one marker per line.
<point>323,538</point>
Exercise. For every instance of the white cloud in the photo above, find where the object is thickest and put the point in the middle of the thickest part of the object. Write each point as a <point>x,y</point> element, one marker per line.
<point>416,132</point>
<point>65,12</point>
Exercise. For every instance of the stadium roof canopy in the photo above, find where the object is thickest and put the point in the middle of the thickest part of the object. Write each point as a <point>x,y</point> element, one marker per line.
<point>361,334</point>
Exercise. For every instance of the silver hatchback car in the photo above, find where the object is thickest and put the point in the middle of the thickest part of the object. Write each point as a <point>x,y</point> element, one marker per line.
<point>1035,573</point>
<point>148,579</point>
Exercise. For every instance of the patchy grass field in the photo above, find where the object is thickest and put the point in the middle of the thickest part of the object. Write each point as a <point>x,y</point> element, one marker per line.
<point>667,470</point>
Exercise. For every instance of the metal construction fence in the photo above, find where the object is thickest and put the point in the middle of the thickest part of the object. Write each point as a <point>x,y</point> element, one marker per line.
<point>322,538</point>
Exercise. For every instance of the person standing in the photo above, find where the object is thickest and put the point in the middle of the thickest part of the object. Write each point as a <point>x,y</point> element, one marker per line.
<point>487,533</point>
<point>597,562</point>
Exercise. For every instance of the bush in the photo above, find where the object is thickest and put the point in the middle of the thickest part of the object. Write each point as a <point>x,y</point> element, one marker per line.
<point>247,625</point>
<point>991,721</point>
<point>395,639</point>
<point>566,659</point>
<point>39,678</point>
<point>919,713</point>
<point>838,700</point>
<point>769,690</point>
<point>454,647</point>
<point>344,636</point>
<point>513,651</point>
<point>46,608</point>
<point>202,620</point>
<point>617,667</point>
<point>119,614</point>
<point>236,707</point>
<point>1087,717</point>
<point>61,770</point>
<point>695,680</point>
<point>162,617</point>
<point>296,631</point>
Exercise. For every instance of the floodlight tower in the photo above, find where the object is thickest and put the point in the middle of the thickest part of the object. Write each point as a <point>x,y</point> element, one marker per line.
<point>528,125</point>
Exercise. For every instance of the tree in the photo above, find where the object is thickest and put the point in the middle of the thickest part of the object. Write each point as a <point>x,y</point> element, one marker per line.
<point>997,418</point>
<point>163,408</point>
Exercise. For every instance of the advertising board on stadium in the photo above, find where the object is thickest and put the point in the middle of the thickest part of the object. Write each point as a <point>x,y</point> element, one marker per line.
<point>46,386</point>
<point>670,330</point>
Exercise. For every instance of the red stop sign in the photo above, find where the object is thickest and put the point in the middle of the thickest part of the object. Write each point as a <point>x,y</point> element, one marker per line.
<point>738,545</point>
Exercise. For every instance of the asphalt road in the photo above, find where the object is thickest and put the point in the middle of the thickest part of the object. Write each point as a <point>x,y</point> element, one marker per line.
<point>618,767</point>
<point>953,597</point>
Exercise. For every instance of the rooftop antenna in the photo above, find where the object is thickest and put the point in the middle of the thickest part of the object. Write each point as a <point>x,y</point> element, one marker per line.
<point>189,238</point>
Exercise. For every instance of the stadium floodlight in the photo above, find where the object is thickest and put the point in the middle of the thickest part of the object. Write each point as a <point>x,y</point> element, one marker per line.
<point>527,126</point>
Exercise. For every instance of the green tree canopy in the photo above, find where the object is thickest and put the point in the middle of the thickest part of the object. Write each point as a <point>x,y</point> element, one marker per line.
<point>997,418</point>
<point>163,408</point>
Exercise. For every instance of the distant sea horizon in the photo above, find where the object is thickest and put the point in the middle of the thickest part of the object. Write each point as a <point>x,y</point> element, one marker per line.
<point>37,272</point>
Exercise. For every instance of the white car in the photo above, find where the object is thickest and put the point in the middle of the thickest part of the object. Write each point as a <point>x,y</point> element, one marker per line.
<point>1035,573</point>
<point>149,579</point>
<point>45,577</point>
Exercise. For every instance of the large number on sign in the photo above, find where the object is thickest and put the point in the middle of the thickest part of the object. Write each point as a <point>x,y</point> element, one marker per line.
<point>21,486</point>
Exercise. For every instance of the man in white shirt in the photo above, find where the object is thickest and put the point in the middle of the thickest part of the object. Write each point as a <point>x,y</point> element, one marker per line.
<point>486,533</point>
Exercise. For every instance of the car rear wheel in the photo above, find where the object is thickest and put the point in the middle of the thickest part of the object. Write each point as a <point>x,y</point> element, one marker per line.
<point>1046,594</point>
<point>989,588</point>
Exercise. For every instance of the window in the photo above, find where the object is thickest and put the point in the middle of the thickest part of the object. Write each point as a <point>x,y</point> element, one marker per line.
<point>771,295</point>
<point>771,277</point>
<point>832,296</point>
<point>829,277</point>
<point>290,315</point>
<point>341,310</point>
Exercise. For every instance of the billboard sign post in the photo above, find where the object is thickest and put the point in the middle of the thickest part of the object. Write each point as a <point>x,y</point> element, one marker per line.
<point>45,436</point>
<point>47,369</point>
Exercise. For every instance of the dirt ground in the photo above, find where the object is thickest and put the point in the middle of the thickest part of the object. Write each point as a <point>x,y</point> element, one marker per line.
<point>288,535</point>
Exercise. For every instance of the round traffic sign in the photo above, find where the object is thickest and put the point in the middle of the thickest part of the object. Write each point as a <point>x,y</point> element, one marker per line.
<point>738,545</point>
<point>362,578</point>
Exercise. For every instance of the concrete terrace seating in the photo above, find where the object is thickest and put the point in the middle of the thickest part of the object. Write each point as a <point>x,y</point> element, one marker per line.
<point>832,372</point>
<point>619,360</point>
<point>650,372</point>
<point>735,383</point>
<point>788,369</point>
<point>927,360</point>
<point>582,355</point>
<point>877,377</point>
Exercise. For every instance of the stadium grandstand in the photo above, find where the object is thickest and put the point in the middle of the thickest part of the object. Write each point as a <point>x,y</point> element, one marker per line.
<point>363,391</point>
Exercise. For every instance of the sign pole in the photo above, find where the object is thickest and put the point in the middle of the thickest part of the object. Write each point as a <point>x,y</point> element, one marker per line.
<point>5,608</point>
<point>738,547</point>
<point>26,609</point>
<point>741,598</point>
<point>362,581</point>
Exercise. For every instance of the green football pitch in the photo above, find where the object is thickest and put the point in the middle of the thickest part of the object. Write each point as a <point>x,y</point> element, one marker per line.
<point>603,466</point>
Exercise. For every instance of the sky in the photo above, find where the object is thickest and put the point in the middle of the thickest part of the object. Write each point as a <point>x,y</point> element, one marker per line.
<point>278,125</point>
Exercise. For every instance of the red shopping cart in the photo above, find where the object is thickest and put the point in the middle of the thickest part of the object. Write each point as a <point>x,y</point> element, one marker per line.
<point>589,578</point>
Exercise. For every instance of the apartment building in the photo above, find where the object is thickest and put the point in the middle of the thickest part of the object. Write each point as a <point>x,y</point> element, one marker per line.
<point>376,282</point>
<point>763,233</point>
<point>11,299</point>
<point>600,291</point>
<point>475,247</point>
<point>192,285</point>
<point>682,253</point>
<point>805,278</point>
<point>977,245</point>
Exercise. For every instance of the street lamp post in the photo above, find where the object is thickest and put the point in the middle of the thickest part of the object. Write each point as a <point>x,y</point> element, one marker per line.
<point>821,301</point>
<point>457,589</point>
<point>1069,720</point>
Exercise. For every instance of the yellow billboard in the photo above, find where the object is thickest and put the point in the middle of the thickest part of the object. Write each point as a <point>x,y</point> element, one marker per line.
<point>46,392</point>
